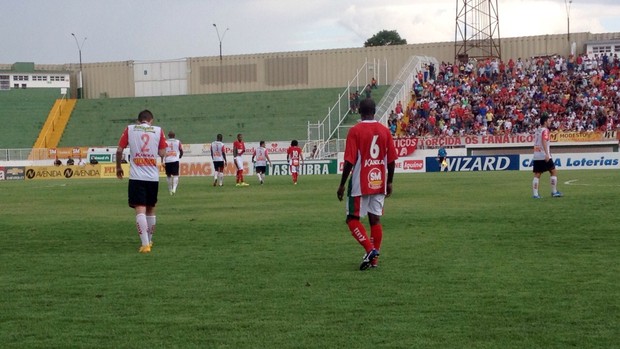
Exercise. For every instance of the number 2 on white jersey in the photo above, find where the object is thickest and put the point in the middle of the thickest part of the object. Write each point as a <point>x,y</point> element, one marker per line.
<point>145,142</point>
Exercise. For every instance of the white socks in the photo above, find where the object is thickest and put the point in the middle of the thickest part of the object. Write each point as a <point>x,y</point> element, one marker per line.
<point>175,183</point>
<point>151,222</point>
<point>554,184</point>
<point>143,228</point>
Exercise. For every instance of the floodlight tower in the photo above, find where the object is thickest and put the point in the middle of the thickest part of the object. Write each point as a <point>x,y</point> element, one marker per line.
<point>477,30</point>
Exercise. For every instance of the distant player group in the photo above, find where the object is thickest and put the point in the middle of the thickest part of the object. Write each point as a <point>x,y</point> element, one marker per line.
<point>369,163</point>
<point>260,159</point>
<point>147,143</point>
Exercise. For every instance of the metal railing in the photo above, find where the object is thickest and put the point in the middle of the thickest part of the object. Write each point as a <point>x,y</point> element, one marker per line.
<point>32,154</point>
<point>402,87</point>
<point>327,134</point>
<point>321,132</point>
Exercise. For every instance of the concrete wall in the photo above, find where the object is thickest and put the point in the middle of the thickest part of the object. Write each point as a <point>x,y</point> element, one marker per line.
<point>308,69</point>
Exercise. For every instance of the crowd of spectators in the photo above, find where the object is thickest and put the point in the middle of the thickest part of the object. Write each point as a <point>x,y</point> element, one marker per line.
<point>492,97</point>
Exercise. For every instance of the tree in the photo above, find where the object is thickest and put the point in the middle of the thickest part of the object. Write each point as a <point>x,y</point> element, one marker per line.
<point>385,38</point>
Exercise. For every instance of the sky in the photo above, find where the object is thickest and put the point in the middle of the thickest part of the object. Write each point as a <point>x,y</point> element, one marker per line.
<point>40,31</point>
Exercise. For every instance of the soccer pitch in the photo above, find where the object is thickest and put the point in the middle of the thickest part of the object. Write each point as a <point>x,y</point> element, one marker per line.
<point>469,260</point>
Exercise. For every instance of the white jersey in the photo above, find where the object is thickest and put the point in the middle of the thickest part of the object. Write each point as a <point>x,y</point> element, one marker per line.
<point>173,150</point>
<point>539,151</point>
<point>217,151</point>
<point>144,142</point>
<point>260,156</point>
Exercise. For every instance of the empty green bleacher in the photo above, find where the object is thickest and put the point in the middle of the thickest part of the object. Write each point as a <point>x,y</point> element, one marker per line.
<point>22,114</point>
<point>272,115</point>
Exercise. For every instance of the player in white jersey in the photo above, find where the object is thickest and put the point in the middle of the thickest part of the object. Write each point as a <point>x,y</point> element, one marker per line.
<point>174,152</point>
<point>542,159</point>
<point>218,154</point>
<point>146,143</point>
<point>260,159</point>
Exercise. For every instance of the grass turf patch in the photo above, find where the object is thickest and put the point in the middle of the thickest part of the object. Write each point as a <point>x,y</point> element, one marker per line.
<point>468,260</point>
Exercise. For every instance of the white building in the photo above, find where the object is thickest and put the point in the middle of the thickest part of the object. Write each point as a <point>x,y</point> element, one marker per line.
<point>23,75</point>
<point>600,48</point>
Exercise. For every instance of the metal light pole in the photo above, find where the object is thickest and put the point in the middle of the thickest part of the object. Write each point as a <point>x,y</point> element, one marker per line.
<point>220,38</point>
<point>567,3</point>
<point>80,89</point>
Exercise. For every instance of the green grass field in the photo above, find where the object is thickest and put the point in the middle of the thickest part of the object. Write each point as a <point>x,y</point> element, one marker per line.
<point>469,260</point>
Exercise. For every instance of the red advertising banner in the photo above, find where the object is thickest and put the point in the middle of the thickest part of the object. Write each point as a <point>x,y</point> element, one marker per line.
<point>405,146</point>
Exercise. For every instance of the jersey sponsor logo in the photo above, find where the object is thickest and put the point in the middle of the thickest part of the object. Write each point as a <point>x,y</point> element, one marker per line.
<point>373,162</point>
<point>375,179</point>
<point>144,128</point>
<point>144,161</point>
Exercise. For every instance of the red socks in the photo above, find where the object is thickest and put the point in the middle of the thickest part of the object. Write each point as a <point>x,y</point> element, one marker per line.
<point>376,232</point>
<point>359,233</point>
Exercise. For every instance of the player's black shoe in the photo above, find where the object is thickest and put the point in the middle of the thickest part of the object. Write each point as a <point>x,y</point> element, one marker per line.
<point>368,257</point>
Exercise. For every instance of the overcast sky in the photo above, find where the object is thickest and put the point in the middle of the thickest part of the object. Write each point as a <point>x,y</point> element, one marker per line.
<point>117,30</point>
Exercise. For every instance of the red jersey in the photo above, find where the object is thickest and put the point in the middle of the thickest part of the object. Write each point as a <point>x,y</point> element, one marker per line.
<point>293,154</point>
<point>370,148</point>
<point>240,147</point>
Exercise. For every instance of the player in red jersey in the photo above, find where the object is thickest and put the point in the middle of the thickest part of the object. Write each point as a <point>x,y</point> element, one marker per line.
<point>146,143</point>
<point>238,150</point>
<point>369,158</point>
<point>295,158</point>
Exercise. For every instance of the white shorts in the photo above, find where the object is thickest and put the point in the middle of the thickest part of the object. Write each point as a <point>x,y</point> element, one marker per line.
<point>239,162</point>
<point>360,206</point>
<point>294,166</point>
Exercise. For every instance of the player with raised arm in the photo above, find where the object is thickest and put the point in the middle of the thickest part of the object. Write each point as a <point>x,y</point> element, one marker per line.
<point>146,143</point>
<point>260,159</point>
<point>295,158</point>
<point>238,150</point>
<point>174,152</point>
<point>218,154</point>
<point>369,158</point>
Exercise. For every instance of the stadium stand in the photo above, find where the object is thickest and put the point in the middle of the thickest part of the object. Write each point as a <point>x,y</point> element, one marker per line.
<point>22,115</point>
<point>55,124</point>
<point>270,115</point>
<point>582,95</point>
